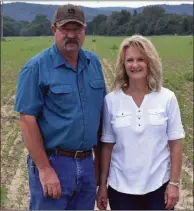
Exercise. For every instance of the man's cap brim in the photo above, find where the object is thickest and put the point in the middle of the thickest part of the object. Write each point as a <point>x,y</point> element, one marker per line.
<point>62,22</point>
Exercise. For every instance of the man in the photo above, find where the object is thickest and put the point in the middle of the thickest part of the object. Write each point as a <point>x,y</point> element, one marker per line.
<point>59,97</point>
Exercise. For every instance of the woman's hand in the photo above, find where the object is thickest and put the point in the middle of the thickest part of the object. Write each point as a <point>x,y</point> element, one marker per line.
<point>171,196</point>
<point>102,198</point>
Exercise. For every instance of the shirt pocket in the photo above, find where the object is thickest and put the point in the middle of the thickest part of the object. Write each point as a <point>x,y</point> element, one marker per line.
<point>97,85</point>
<point>157,116</point>
<point>121,119</point>
<point>62,95</point>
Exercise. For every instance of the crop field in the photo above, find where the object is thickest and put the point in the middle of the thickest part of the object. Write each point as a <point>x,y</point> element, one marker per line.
<point>176,53</point>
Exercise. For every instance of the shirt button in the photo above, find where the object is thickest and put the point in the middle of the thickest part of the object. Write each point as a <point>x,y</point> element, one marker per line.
<point>139,125</point>
<point>138,117</point>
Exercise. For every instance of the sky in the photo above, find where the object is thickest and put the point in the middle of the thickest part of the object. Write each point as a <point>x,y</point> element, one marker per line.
<point>107,3</point>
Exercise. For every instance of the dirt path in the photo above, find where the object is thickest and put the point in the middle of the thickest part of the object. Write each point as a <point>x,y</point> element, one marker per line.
<point>13,157</point>
<point>13,160</point>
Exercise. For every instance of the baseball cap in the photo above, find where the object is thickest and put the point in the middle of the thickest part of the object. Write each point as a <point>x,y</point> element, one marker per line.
<point>68,13</point>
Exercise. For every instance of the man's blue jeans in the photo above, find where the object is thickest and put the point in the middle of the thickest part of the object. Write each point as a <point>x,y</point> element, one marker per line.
<point>78,184</point>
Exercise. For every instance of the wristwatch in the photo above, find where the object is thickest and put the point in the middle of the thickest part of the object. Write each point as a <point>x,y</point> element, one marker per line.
<point>177,184</point>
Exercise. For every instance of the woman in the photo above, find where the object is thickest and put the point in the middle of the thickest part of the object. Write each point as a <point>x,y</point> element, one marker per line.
<point>142,134</point>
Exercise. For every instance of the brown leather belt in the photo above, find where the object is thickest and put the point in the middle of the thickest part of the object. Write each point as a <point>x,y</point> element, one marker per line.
<point>73,154</point>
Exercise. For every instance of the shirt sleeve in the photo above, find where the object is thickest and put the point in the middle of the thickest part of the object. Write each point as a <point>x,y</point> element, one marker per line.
<point>108,135</point>
<point>174,125</point>
<point>29,95</point>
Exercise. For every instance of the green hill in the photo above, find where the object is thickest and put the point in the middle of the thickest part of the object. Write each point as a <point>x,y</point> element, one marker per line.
<point>27,11</point>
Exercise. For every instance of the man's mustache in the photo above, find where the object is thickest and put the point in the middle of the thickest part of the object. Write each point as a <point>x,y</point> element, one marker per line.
<point>71,40</point>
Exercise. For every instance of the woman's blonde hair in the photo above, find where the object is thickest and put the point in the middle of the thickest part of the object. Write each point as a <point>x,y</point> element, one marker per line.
<point>154,77</point>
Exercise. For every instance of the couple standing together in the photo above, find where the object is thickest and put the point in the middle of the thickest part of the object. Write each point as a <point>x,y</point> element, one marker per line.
<point>133,133</point>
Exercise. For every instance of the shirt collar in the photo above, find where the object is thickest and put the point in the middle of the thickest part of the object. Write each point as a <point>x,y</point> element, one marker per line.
<point>59,60</point>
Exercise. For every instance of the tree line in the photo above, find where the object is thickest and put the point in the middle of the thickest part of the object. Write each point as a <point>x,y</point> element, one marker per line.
<point>40,26</point>
<point>153,20</point>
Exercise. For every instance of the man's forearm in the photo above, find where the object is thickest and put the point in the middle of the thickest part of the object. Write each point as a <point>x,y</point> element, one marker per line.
<point>33,141</point>
<point>105,162</point>
<point>176,159</point>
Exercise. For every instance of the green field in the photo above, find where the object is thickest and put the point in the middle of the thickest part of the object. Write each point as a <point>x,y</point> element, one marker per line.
<point>176,53</point>
<point>177,60</point>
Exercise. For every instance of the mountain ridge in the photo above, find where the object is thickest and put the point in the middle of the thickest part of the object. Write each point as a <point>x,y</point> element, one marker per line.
<point>30,10</point>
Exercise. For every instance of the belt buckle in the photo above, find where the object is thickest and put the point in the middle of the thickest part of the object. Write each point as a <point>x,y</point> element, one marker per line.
<point>76,153</point>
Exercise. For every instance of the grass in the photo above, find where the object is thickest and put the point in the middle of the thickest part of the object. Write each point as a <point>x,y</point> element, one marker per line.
<point>172,47</point>
<point>186,182</point>
<point>3,193</point>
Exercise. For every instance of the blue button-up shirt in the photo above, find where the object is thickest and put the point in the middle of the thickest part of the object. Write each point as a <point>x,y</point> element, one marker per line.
<point>66,102</point>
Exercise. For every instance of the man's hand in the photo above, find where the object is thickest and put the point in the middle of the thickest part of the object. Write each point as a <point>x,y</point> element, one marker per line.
<point>171,196</point>
<point>50,182</point>
<point>102,200</point>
